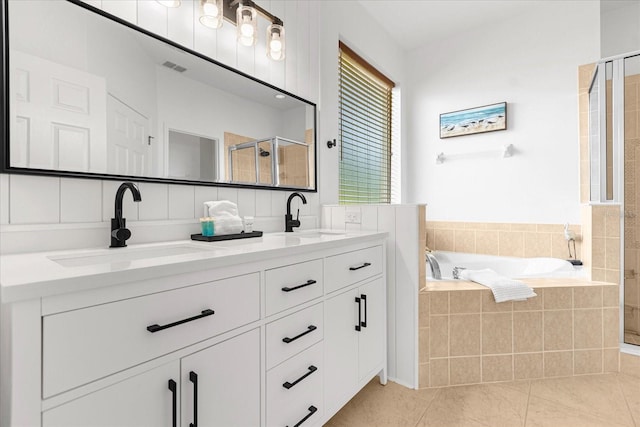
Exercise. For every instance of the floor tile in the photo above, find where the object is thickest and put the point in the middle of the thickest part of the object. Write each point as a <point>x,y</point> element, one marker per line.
<point>391,405</point>
<point>491,405</point>
<point>598,396</point>
<point>546,413</point>
<point>631,389</point>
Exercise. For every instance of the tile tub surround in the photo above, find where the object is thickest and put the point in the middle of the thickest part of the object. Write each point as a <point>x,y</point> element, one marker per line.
<point>507,239</point>
<point>570,328</point>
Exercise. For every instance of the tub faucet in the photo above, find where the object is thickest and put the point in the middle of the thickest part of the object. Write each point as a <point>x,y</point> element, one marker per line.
<point>119,232</point>
<point>435,267</point>
<point>289,222</point>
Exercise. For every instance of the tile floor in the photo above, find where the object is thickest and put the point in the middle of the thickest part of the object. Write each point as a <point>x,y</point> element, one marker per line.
<point>608,400</point>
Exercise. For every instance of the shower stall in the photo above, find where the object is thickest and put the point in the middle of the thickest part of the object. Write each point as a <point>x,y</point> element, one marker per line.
<point>614,155</point>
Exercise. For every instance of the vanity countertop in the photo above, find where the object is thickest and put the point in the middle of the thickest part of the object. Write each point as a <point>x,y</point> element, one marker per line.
<point>41,274</point>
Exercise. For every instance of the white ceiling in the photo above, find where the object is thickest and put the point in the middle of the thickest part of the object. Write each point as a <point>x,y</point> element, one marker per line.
<point>413,23</point>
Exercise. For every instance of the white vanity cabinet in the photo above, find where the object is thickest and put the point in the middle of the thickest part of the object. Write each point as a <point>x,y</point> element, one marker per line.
<point>259,337</point>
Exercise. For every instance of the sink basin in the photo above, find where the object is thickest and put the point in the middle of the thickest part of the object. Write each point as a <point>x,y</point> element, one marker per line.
<point>109,256</point>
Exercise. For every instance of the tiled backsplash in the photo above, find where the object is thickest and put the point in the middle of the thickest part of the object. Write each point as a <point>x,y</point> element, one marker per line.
<point>506,239</point>
<point>38,212</point>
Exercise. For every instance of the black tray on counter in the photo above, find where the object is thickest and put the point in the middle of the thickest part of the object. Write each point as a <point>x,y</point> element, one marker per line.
<point>242,235</point>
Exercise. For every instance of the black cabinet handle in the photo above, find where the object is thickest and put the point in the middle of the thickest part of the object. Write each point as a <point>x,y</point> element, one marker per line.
<point>364,299</point>
<point>193,377</point>
<point>310,328</point>
<point>312,410</point>
<point>288,385</point>
<point>359,314</point>
<point>366,264</point>
<point>156,328</point>
<point>309,282</point>
<point>174,400</point>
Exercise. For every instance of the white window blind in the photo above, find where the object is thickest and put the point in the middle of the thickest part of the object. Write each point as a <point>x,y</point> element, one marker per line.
<point>365,123</point>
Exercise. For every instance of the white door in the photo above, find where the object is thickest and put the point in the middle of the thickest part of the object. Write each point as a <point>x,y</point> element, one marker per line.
<point>341,349</point>
<point>225,379</point>
<point>58,116</point>
<point>141,401</point>
<point>128,139</point>
<point>371,341</point>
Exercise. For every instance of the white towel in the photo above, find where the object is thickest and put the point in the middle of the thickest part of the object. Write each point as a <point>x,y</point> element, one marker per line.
<point>503,288</point>
<point>225,217</point>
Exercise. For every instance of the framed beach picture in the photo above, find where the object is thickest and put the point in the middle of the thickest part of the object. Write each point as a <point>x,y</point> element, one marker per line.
<point>487,118</point>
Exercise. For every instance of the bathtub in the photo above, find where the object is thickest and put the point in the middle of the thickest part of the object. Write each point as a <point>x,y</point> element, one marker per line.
<point>512,267</point>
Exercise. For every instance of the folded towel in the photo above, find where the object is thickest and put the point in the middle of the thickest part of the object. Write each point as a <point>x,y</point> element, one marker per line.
<point>225,217</point>
<point>503,288</point>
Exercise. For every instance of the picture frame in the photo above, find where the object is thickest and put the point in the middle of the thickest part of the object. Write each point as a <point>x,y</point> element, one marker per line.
<point>471,121</point>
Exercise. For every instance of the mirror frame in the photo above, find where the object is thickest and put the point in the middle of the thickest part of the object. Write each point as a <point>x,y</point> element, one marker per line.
<point>6,168</point>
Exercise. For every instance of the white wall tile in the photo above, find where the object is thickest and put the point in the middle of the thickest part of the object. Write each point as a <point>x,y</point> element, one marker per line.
<point>152,16</point>
<point>313,205</point>
<point>277,68</point>
<point>180,23</point>
<point>261,61</point>
<point>314,49</point>
<point>94,3</point>
<point>80,200</point>
<point>182,202</point>
<point>226,45</point>
<point>349,226</point>
<point>263,203</point>
<point>291,61</point>
<point>34,199</point>
<point>279,203</point>
<point>4,199</point>
<point>204,38</point>
<point>228,193</point>
<point>302,50</point>
<point>126,10</point>
<point>326,217</point>
<point>337,218</point>
<point>129,207</point>
<point>247,202</point>
<point>203,194</point>
<point>369,217</point>
<point>155,201</point>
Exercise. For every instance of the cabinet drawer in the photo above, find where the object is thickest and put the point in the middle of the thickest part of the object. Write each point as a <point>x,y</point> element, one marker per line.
<point>290,335</point>
<point>294,284</point>
<point>293,387</point>
<point>82,345</point>
<point>351,267</point>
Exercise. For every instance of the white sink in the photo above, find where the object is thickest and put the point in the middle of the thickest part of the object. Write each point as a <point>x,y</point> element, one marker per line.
<point>312,234</point>
<point>109,256</point>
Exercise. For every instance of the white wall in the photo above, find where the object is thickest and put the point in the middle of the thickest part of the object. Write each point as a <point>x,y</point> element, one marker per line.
<point>43,213</point>
<point>620,27</point>
<point>531,62</point>
<point>349,22</point>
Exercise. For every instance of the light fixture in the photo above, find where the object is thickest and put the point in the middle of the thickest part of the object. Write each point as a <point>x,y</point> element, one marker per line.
<point>247,23</point>
<point>211,13</point>
<point>275,41</point>
<point>170,3</point>
<point>279,96</point>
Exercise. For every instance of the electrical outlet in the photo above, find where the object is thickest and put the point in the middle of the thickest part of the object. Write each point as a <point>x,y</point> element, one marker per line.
<point>353,217</point>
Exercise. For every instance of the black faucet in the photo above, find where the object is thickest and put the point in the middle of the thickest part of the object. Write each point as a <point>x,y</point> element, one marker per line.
<point>289,222</point>
<point>119,232</point>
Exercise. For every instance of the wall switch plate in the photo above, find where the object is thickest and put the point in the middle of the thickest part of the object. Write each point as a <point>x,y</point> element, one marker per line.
<point>353,217</point>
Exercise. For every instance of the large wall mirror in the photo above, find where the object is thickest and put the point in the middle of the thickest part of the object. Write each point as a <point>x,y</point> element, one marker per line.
<point>90,95</point>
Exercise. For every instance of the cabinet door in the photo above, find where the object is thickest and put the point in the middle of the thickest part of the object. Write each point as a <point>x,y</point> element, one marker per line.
<point>221,384</point>
<point>143,400</point>
<point>341,349</point>
<point>372,334</point>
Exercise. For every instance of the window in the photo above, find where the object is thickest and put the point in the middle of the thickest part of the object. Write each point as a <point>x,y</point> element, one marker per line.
<point>365,123</point>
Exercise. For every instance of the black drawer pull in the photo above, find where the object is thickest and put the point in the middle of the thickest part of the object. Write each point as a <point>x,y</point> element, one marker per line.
<point>288,385</point>
<point>366,264</point>
<point>310,328</point>
<point>156,328</point>
<point>193,377</point>
<point>364,299</point>
<point>309,282</point>
<point>312,410</point>
<point>359,314</point>
<point>174,400</point>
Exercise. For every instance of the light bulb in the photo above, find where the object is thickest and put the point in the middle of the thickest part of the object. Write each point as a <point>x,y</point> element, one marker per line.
<point>169,3</point>
<point>210,9</point>
<point>246,30</point>
<point>275,45</point>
